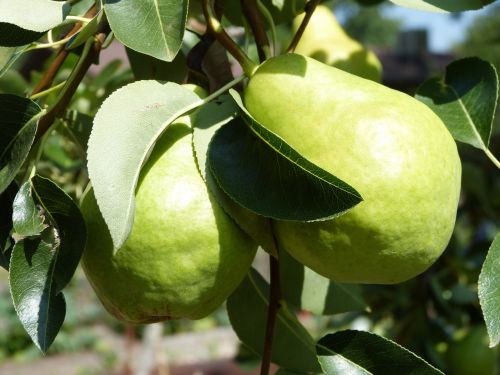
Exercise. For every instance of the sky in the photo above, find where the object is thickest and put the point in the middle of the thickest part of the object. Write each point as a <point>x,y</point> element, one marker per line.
<point>443,30</point>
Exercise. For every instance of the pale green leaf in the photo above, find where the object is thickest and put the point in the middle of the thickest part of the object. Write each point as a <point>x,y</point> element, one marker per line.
<point>125,129</point>
<point>489,291</point>
<point>34,15</point>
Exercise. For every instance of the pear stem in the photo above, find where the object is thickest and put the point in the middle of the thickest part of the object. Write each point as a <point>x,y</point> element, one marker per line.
<point>254,17</point>
<point>269,19</point>
<point>309,9</point>
<point>215,27</point>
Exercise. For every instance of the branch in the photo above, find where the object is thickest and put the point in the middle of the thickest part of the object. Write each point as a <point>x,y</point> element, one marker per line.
<point>309,9</point>
<point>90,53</point>
<point>254,17</point>
<point>272,311</point>
<point>215,27</point>
<point>62,53</point>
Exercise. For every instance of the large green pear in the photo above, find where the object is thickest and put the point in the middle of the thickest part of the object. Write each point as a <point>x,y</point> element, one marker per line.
<point>326,41</point>
<point>184,255</point>
<point>391,148</point>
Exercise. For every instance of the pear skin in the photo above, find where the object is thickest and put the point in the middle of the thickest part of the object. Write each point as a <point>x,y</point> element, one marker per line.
<point>184,256</point>
<point>325,40</point>
<point>391,148</point>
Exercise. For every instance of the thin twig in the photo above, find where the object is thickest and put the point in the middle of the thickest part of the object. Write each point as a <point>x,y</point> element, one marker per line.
<point>254,17</point>
<point>88,58</point>
<point>215,27</point>
<point>61,55</point>
<point>272,312</point>
<point>309,9</point>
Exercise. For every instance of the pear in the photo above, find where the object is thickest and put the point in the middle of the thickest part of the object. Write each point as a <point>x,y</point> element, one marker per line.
<point>469,354</point>
<point>391,148</point>
<point>184,256</point>
<point>326,41</point>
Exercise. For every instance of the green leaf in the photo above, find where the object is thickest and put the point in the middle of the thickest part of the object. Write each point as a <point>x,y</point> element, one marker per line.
<point>489,291</point>
<point>66,218</point>
<point>24,21</point>
<point>12,82</point>
<point>356,352</point>
<point>126,126</point>
<point>257,169</point>
<point>79,126</point>
<point>8,56</point>
<point>86,32</point>
<point>165,20</point>
<point>293,347</point>
<point>207,121</point>
<point>42,266</point>
<point>27,217</point>
<point>309,291</point>
<point>39,307</point>
<point>6,200</point>
<point>465,100</point>
<point>443,6</point>
<point>13,36</point>
<point>147,67</point>
<point>18,124</point>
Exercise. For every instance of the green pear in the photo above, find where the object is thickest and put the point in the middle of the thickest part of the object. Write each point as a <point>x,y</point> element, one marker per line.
<point>326,41</point>
<point>184,255</point>
<point>469,353</point>
<point>391,148</point>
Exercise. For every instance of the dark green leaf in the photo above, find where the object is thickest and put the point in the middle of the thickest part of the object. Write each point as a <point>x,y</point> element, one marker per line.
<point>363,353</point>
<point>465,100</point>
<point>13,36</point>
<point>262,173</point>
<point>293,347</point>
<point>67,219</point>
<point>18,123</point>
<point>165,20</point>
<point>307,290</point>
<point>126,126</point>
<point>207,121</point>
<point>147,67</point>
<point>28,217</point>
<point>40,308</point>
<point>489,291</point>
<point>369,2</point>
<point>440,5</point>
<point>6,200</point>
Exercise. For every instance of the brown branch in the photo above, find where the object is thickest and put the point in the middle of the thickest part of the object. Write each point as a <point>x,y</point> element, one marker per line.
<point>72,85</point>
<point>309,9</point>
<point>215,27</point>
<point>62,53</point>
<point>252,14</point>
<point>272,311</point>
